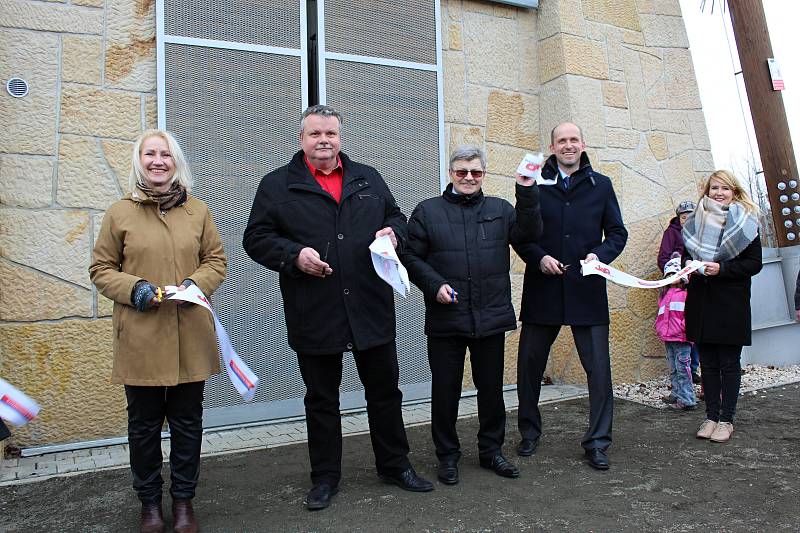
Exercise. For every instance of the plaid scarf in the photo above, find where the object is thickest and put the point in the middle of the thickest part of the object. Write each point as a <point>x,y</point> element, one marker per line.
<point>716,232</point>
<point>175,195</point>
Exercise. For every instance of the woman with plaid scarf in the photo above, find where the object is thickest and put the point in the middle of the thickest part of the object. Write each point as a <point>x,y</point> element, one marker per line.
<point>723,233</point>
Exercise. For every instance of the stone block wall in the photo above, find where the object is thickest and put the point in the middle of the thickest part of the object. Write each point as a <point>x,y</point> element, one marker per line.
<point>64,158</point>
<point>623,72</point>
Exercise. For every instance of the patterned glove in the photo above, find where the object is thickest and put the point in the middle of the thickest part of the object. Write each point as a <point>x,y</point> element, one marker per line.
<point>187,283</point>
<point>143,294</point>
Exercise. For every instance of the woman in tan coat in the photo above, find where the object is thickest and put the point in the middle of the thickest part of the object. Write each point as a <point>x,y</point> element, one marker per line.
<point>163,352</point>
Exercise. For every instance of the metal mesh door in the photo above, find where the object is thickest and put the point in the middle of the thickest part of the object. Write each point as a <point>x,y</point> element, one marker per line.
<point>232,96</point>
<point>380,67</point>
<point>392,124</point>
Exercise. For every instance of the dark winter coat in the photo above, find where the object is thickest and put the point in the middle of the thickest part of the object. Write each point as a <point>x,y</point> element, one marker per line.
<point>352,308</point>
<point>586,218</point>
<point>463,241</point>
<point>718,307</point>
<point>671,242</point>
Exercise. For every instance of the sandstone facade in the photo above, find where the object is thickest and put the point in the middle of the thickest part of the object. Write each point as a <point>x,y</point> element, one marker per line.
<point>65,161</point>
<point>620,69</point>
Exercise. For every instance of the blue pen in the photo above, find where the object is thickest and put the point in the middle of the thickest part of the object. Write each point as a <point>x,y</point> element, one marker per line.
<point>453,295</point>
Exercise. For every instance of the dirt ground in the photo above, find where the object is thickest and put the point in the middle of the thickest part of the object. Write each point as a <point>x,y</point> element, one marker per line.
<point>661,479</point>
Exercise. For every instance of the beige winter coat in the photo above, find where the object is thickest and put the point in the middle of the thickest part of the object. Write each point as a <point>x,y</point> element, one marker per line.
<point>168,344</point>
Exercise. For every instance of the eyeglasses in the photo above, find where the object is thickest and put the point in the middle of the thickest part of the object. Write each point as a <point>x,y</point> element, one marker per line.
<point>461,173</point>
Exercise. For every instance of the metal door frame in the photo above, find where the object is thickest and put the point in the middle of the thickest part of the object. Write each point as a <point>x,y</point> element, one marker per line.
<point>289,408</point>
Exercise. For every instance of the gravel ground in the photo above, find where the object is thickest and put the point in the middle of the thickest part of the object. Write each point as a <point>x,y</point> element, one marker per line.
<point>662,480</point>
<point>754,378</point>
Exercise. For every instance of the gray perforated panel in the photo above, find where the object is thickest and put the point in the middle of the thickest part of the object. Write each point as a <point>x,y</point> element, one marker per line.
<point>391,122</point>
<point>236,115</point>
<point>266,22</point>
<point>401,30</point>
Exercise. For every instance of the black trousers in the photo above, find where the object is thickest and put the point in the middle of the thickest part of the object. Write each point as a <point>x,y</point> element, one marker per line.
<point>592,344</point>
<point>182,406</point>
<point>379,373</point>
<point>446,358</point>
<point>721,372</point>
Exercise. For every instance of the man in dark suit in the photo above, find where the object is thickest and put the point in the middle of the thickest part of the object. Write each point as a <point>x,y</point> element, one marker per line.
<point>312,221</point>
<point>582,221</point>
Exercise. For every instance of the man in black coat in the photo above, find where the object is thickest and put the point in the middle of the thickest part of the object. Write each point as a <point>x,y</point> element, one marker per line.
<point>312,221</point>
<point>582,221</point>
<point>457,254</point>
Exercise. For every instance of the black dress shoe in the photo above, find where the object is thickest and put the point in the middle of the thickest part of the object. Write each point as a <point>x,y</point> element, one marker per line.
<point>597,458</point>
<point>408,480</point>
<point>527,447</point>
<point>500,466</point>
<point>448,472</point>
<point>319,497</point>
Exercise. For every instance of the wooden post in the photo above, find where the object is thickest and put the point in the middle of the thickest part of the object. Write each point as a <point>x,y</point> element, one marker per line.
<point>769,117</point>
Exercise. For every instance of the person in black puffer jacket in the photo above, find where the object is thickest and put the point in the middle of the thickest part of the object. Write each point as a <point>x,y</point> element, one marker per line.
<point>457,254</point>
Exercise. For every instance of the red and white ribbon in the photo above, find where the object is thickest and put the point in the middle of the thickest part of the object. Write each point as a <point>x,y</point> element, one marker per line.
<point>621,278</point>
<point>243,379</point>
<point>15,407</point>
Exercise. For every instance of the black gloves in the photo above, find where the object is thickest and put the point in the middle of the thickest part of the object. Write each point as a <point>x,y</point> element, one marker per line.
<point>143,294</point>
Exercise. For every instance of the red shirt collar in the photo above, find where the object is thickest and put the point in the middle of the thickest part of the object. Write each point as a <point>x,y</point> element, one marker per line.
<point>314,170</point>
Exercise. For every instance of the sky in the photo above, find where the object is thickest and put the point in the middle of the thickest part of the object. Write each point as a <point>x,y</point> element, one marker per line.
<point>716,60</point>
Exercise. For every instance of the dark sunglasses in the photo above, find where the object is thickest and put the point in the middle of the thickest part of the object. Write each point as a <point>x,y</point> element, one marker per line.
<point>461,173</point>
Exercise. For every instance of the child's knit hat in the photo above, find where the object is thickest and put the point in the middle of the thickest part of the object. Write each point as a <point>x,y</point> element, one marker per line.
<point>686,206</point>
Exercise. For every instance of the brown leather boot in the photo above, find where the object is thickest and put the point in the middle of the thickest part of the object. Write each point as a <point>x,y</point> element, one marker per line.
<point>152,520</point>
<point>183,517</point>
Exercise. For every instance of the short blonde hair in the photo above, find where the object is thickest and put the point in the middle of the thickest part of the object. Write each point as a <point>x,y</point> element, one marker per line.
<point>182,173</point>
<point>739,194</point>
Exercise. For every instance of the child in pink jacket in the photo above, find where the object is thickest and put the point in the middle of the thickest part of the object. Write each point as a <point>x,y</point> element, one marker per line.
<point>671,328</point>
